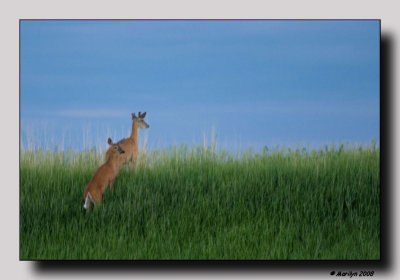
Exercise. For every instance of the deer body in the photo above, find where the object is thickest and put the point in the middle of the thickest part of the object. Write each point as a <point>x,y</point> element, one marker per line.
<point>130,144</point>
<point>103,177</point>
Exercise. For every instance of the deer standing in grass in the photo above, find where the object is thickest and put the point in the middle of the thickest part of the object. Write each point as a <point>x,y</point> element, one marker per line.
<point>103,177</point>
<point>130,144</point>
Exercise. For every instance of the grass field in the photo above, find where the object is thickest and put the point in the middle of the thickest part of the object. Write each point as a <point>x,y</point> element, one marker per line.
<point>199,203</point>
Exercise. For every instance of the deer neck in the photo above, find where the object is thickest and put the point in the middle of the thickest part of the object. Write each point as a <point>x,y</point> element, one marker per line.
<point>135,132</point>
<point>112,162</point>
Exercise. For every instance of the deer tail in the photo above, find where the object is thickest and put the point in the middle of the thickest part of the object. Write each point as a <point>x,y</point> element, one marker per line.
<point>88,200</point>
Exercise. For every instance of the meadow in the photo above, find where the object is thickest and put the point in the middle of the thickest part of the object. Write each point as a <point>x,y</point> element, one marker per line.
<point>200,203</point>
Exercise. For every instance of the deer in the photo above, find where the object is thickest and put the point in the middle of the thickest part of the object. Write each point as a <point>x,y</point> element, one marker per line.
<point>103,177</point>
<point>130,144</point>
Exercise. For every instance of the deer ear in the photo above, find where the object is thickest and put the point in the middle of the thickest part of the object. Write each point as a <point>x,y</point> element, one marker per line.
<point>140,115</point>
<point>143,115</point>
<point>109,141</point>
<point>133,116</point>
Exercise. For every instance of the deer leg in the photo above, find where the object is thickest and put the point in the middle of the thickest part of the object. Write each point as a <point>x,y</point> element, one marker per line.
<point>97,201</point>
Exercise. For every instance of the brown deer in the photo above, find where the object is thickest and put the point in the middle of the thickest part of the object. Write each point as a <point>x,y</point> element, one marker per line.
<point>130,144</point>
<point>103,177</point>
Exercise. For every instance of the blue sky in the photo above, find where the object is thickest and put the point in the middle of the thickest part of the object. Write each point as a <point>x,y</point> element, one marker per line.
<point>255,83</point>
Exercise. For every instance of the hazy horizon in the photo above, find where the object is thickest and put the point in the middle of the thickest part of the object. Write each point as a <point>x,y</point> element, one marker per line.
<point>255,83</point>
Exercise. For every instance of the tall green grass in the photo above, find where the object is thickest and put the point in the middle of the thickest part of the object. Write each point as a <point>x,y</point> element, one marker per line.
<point>200,203</point>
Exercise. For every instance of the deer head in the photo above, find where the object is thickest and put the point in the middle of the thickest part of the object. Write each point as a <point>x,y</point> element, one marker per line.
<point>114,148</point>
<point>139,120</point>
